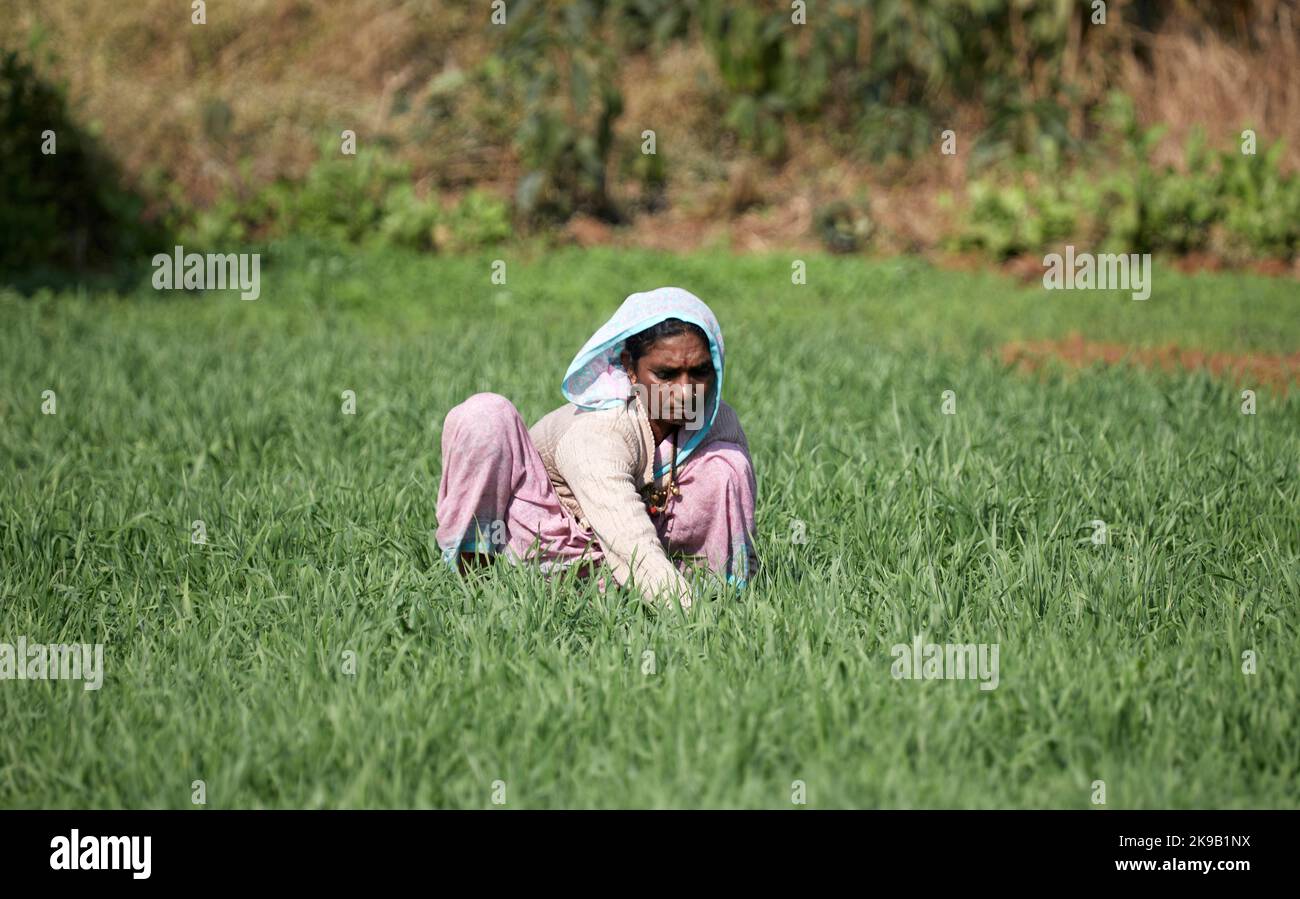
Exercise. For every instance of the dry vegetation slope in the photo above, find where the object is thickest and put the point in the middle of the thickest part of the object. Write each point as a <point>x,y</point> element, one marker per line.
<point>253,95</point>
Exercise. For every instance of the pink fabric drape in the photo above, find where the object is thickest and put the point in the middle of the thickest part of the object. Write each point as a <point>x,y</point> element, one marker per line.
<point>495,496</point>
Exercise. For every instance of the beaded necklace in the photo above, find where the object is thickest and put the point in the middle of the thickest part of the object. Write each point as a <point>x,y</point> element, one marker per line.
<point>657,498</point>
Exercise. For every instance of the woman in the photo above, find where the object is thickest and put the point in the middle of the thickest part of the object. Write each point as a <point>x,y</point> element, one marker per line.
<point>644,462</point>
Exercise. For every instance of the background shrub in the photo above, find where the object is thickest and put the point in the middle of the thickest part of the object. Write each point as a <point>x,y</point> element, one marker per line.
<point>67,210</point>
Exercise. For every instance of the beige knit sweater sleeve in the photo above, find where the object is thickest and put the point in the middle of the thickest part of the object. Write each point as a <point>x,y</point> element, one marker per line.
<point>600,463</point>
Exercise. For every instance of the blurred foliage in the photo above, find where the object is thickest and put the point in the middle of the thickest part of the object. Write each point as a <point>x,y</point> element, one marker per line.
<point>1233,204</point>
<point>895,132</point>
<point>563,76</point>
<point>649,25</point>
<point>891,70</point>
<point>888,72</point>
<point>1264,215</point>
<point>756,59</point>
<point>365,199</point>
<point>67,209</point>
<point>556,72</point>
<point>843,226</point>
<point>536,108</point>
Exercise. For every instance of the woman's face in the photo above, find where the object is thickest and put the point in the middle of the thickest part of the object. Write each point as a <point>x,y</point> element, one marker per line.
<point>675,375</point>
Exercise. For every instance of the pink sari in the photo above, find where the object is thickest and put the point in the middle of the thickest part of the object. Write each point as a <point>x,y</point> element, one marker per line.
<point>496,497</point>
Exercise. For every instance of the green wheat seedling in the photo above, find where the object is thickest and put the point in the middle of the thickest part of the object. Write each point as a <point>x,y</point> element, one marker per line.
<point>259,562</point>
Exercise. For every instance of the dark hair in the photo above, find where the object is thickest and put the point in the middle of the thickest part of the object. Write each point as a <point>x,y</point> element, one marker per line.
<point>639,344</point>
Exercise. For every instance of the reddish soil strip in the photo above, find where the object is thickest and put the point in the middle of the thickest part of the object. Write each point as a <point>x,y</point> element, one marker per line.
<point>1246,370</point>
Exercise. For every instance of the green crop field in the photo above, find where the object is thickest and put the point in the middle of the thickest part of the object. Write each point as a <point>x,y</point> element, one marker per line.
<point>315,652</point>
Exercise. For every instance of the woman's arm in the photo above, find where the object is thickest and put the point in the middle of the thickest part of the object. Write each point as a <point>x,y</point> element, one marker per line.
<point>598,465</point>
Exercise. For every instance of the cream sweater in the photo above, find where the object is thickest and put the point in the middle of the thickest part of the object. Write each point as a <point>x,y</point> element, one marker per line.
<point>598,461</point>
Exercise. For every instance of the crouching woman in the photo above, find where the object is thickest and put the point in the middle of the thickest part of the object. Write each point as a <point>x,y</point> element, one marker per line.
<point>644,468</point>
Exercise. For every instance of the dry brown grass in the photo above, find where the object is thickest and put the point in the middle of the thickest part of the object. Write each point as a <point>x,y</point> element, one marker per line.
<point>270,84</point>
<point>1200,81</point>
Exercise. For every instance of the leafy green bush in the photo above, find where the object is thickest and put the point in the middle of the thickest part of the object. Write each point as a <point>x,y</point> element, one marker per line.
<point>368,199</point>
<point>343,198</point>
<point>1114,198</point>
<point>889,132</point>
<point>560,72</point>
<point>1262,205</point>
<point>406,220</point>
<point>1000,221</point>
<point>478,220</point>
<point>650,24</point>
<point>755,57</point>
<point>888,70</point>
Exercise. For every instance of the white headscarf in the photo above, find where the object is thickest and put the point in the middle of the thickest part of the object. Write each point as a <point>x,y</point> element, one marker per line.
<point>596,378</point>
